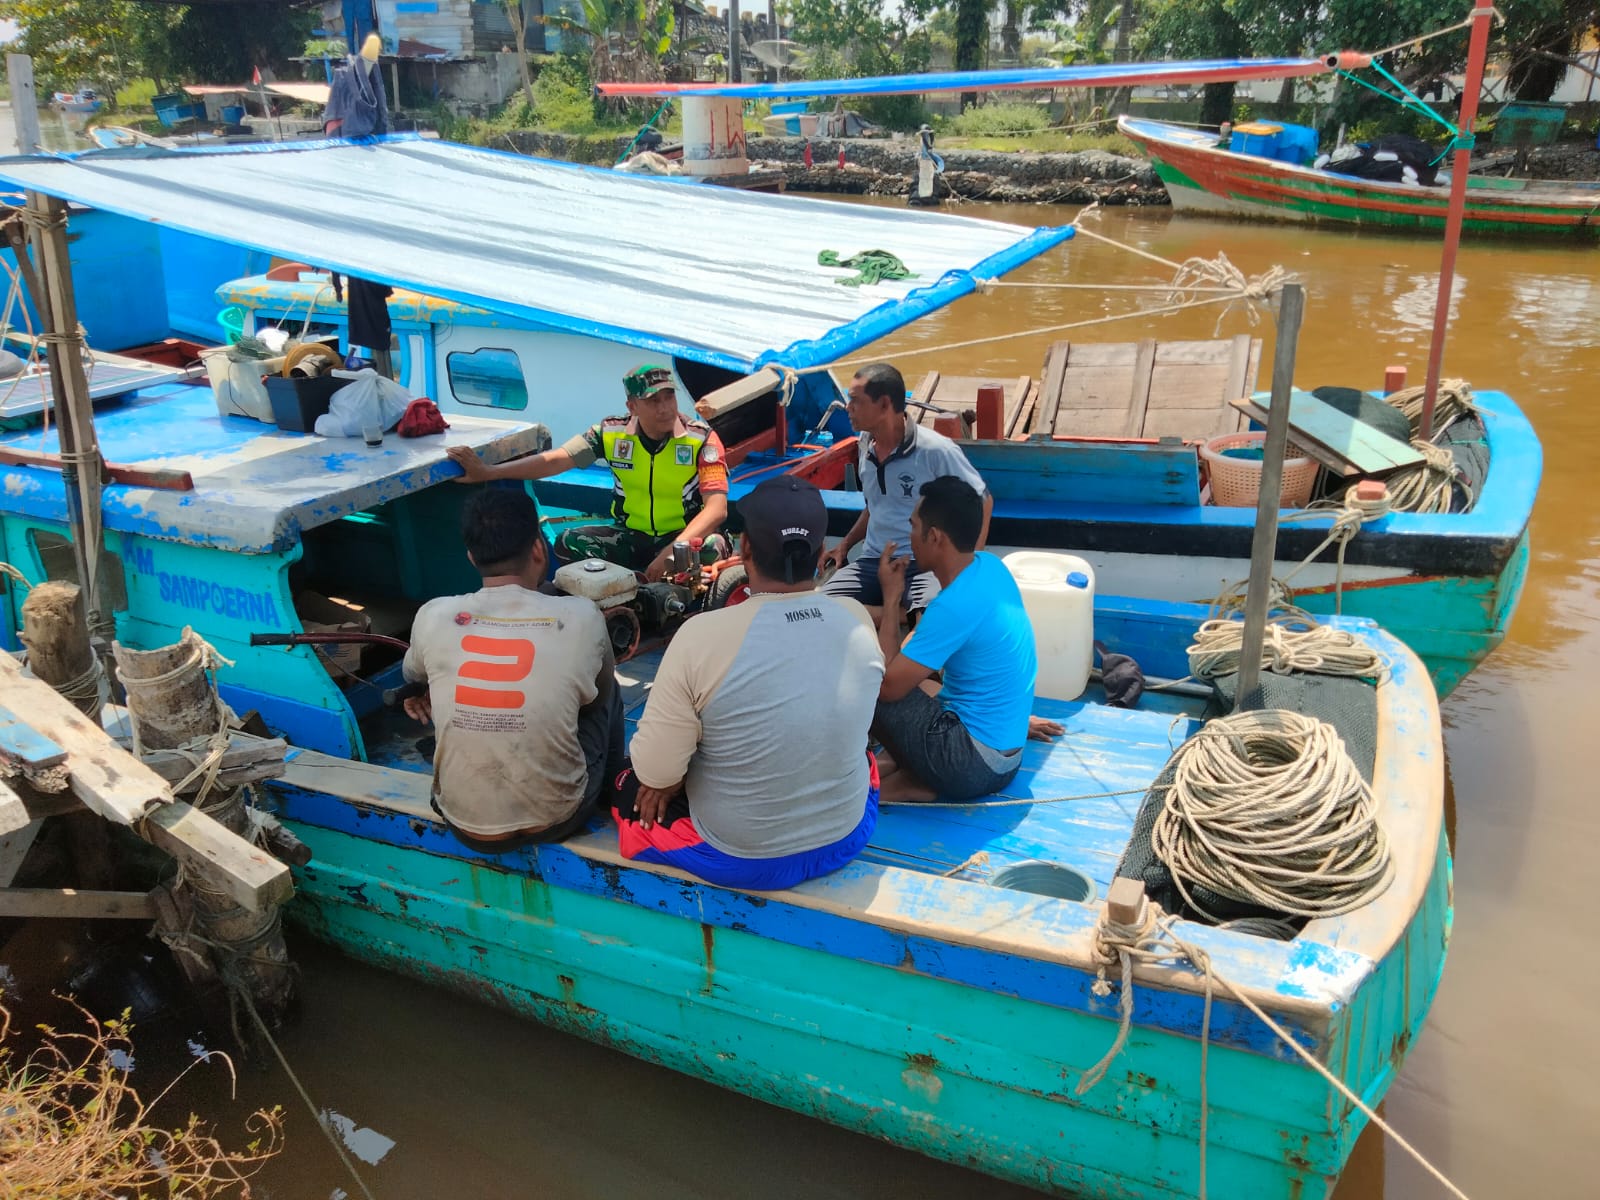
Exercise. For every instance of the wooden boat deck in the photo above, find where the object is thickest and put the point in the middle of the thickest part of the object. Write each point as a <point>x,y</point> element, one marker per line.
<point>1146,389</point>
<point>1104,763</point>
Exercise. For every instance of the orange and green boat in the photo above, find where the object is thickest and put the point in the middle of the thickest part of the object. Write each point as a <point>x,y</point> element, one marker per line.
<point>1201,176</point>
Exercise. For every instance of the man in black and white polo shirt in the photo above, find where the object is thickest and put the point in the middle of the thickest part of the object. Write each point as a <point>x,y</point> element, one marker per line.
<point>896,457</point>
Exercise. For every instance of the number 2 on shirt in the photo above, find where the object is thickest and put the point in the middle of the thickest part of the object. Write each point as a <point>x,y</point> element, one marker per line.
<point>520,653</point>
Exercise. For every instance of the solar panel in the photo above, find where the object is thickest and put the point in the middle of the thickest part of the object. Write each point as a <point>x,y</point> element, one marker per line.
<point>109,375</point>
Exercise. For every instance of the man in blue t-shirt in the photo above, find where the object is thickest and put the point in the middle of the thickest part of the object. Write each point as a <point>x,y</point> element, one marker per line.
<point>964,739</point>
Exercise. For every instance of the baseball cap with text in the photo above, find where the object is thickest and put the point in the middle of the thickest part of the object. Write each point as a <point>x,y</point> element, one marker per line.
<point>781,514</point>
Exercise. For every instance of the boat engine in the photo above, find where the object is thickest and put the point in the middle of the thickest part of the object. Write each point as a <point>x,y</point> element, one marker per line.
<point>635,610</point>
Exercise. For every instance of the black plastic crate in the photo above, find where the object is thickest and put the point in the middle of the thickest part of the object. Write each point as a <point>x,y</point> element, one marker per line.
<point>298,402</point>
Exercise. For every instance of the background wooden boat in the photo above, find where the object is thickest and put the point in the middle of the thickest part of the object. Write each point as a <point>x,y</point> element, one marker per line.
<point>1202,177</point>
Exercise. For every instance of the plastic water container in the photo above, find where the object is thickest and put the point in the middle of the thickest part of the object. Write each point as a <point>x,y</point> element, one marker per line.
<point>1058,592</point>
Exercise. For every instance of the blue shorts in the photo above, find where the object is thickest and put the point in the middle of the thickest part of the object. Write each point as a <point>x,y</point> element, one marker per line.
<point>674,841</point>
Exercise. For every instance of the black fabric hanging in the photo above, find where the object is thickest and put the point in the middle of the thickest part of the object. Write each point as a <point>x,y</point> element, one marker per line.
<point>367,304</point>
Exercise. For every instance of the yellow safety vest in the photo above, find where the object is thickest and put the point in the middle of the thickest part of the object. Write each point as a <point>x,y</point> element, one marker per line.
<point>658,493</point>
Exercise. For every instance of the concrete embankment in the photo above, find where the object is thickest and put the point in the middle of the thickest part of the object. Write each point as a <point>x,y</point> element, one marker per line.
<point>882,168</point>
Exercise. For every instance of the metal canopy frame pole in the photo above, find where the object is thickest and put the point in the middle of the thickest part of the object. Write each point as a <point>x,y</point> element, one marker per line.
<point>1263,548</point>
<point>81,465</point>
<point>1477,52</point>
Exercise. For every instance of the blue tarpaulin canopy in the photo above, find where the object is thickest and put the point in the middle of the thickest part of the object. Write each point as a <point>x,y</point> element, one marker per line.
<point>714,274</point>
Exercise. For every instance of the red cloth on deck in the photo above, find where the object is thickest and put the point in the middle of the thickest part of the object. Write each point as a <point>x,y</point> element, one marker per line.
<point>422,417</point>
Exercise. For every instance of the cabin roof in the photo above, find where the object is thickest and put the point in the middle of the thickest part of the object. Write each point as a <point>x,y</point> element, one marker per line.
<point>255,488</point>
<point>713,274</point>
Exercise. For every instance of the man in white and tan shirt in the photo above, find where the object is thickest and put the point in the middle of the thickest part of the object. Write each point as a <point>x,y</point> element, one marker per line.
<point>750,764</point>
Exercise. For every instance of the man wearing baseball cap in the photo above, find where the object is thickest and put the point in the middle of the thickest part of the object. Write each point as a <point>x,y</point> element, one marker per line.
<point>670,478</point>
<point>750,764</point>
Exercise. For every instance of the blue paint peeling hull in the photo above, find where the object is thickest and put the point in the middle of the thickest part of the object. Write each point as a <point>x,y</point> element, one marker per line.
<point>940,1014</point>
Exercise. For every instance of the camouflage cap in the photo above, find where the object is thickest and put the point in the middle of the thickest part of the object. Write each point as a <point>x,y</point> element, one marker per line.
<point>646,380</point>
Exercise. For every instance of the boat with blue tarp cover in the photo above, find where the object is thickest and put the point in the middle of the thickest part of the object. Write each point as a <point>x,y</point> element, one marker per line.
<point>914,995</point>
<point>518,298</point>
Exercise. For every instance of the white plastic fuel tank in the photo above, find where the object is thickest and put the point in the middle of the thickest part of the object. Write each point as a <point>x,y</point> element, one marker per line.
<point>1058,592</point>
<point>607,584</point>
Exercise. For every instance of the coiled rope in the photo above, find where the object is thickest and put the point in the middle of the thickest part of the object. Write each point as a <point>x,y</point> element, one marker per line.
<point>1267,808</point>
<point>1453,402</point>
<point>1293,641</point>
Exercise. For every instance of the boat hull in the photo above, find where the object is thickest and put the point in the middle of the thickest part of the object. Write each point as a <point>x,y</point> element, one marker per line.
<point>1203,178</point>
<point>949,1069</point>
<point>941,1014</point>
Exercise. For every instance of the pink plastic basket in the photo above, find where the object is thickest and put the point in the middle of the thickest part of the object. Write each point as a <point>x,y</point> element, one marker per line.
<point>1236,482</point>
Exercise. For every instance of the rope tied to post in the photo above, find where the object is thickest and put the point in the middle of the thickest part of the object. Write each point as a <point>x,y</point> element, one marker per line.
<point>1293,641</point>
<point>1153,941</point>
<point>207,658</point>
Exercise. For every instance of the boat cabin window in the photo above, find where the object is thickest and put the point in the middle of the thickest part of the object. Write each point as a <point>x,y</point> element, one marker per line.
<point>489,378</point>
<point>53,553</point>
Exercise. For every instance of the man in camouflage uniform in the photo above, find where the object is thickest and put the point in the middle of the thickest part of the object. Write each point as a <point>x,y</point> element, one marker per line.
<point>670,479</point>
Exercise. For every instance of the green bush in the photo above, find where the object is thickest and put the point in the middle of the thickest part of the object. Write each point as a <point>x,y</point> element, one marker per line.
<point>136,95</point>
<point>998,120</point>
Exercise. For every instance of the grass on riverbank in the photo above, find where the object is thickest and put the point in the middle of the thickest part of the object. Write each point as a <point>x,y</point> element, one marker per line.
<point>76,1129</point>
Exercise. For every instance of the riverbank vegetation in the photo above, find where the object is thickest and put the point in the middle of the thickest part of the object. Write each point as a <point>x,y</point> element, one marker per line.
<point>73,1126</point>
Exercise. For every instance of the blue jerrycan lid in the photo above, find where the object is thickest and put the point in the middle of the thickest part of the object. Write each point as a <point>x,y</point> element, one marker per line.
<point>1078,579</point>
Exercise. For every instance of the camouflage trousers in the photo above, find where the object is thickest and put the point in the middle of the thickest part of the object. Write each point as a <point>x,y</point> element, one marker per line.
<point>628,547</point>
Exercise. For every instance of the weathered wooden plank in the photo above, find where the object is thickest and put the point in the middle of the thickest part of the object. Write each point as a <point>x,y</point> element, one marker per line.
<point>247,873</point>
<point>364,783</point>
<point>925,392</point>
<point>25,744</point>
<point>1144,366</point>
<point>1088,472</point>
<point>71,904</point>
<point>1022,419</point>
<point>740,392</point>
<point>14,849</point>
<point>247,760</point>
<point>18,827</point>
<point>1056,360</point>
<point>1335,439</point>
<point>120,788</point>
<point>14,813</point>
<point>105,777</point>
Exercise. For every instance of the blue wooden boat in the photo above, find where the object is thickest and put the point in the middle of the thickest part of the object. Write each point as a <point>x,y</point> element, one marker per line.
<point>575,307</point>
<point>906,996</point>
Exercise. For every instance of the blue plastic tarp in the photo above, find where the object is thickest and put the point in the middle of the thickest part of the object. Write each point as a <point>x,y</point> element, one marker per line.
<point>713,274</point>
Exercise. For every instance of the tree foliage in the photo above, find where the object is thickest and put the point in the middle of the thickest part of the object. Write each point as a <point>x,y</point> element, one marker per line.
<point>850,39</point>
<point>106,43</point>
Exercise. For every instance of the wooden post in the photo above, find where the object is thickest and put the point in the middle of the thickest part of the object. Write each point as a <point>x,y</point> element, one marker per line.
<point>81,464</point>
<point>56,634</point>
<point>57,637</point>
<point>1477,53</point>
<point>735,58</point>
<point>173,704</point>
<point>991,412</point>
<point>1394,378</point>
<point>24,103</point>
<point>948,424</point>
<point>1263,548</point>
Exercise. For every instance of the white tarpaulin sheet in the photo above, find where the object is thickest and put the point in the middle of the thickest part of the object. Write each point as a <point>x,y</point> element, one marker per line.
<point>717,274</point>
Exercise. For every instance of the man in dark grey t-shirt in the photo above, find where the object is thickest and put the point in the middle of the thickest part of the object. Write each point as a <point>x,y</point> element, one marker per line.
<point>896,457</point>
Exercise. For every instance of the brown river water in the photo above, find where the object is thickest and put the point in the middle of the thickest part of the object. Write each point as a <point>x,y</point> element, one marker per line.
<point>442,1097</point>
